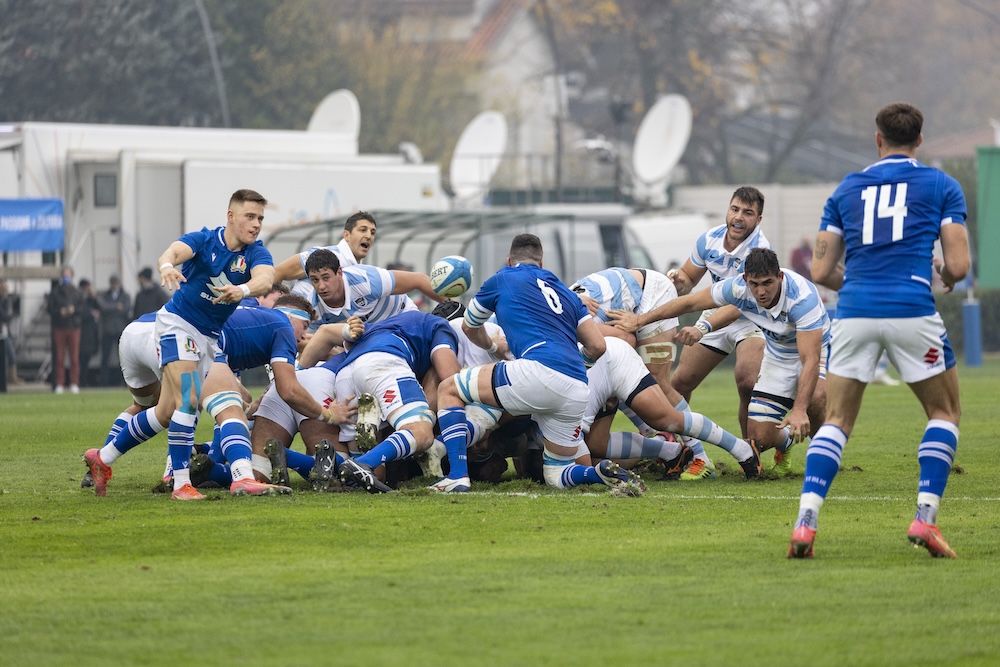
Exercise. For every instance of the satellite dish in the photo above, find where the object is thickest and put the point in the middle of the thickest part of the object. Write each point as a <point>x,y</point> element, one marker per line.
<point>662,137</point>
<point>478,154</point>
<point>338,112</point>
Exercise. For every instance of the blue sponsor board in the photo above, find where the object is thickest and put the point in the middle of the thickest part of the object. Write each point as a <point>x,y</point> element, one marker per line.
<point>31,224</point>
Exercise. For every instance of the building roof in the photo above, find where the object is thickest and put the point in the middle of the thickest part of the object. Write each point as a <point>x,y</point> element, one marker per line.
<point>958,145</point>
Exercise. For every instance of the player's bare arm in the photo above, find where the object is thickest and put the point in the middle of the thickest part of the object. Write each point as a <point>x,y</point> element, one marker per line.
<point>170,262</point>
<point>408,281</point>
<point>327,337</point>
<point>826,267</point>
<point>689,303</point>
<point>720,318</point>
<point>290,269</point>
<point>591,338</point>
<point>797,419</point>
<point>478,335</point>
<point>955,248</point>
<point>686,277</point>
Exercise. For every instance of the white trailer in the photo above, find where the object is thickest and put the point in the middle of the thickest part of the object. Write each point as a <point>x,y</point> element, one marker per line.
<point>129,191</point>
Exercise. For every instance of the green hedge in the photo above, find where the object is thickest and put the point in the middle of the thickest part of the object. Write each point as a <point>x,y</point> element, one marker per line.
<point>950,307</point>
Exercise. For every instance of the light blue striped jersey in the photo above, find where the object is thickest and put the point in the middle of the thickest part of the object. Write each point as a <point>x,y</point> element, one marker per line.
<point>710,252</point>
<point>612,289</point>
<point>799,308</point>
<point>367,294</point>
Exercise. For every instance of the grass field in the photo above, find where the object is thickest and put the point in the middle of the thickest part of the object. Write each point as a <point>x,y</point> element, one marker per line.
<point>690,574</point>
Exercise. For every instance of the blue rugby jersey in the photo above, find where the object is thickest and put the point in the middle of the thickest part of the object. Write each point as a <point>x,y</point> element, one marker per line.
<point>889,215</point>
<point>213,265</point>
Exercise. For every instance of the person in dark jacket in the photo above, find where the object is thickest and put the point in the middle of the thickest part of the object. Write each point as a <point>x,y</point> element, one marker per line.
<point>90,333</point>
<point>65,310</point>
<point>151,296</point>
<point>116,313</point>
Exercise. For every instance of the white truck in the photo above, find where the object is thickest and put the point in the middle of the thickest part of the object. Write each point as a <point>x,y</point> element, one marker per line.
<point>130,191</point>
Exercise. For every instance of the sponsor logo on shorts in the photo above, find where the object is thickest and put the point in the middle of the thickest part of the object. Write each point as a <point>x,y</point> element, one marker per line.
<point>388,396</point>
<point>932,356</point>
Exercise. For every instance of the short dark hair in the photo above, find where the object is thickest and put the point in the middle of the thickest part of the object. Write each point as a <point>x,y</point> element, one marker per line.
<point>900,124</point>
<point>146,273</point>
<point>296,301</point>
<point>322,259</point>
<point>244,195</point>
<point>526,247</point>
<point>761,262</point>
<point>750,195</point>
<point>279,287</point>
<point>358,217</point>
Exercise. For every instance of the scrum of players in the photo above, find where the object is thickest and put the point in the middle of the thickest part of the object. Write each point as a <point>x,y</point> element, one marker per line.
<point>531,369</point>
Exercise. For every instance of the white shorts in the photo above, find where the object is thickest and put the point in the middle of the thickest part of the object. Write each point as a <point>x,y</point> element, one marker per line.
<point>391,381</point>
<point>725,340</point>
<point>555,401</point>
<point>917,346</point>
<point>318,381</point>
<point>616,374</point>
<point>777,384</point>
<point>177,339</point>
<point>656,291</point>
<point>137,355</point>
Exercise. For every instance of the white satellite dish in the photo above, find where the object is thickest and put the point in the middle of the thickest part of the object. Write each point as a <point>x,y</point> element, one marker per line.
<point>660,142</point>
<point>338,112</point>
<point>478,154</point>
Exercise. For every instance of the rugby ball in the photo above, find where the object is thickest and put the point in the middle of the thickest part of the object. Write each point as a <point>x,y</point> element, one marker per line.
<point>451,276</point>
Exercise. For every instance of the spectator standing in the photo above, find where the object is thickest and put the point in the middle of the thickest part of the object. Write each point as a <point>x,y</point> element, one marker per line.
<point>116,310</point>
<point>90,332</point>
<point>10,310</point>
<point>802,257</point>
<point>66,310</point>
<point>150,297</point>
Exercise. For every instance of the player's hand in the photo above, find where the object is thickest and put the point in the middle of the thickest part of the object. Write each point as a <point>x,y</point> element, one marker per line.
<point>353,329</point>
<point>689,336</point>
<point>171,277</point>
<point>502,350</point>
<point>949,284</point>
<point>624,320</point>
<point>228,294</point>
<point>797,422</point>
<point>592,305</point>
<point>339,413</point>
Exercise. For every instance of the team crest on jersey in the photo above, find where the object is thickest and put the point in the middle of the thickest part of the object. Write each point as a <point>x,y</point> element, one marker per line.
<point>239,264</point>
<point>360,302</point>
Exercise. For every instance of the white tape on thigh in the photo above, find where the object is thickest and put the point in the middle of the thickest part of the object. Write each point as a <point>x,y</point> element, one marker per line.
<point>144,401</point>
<point>657,353</point>
<point>467,381</point>
<point>219,401</point>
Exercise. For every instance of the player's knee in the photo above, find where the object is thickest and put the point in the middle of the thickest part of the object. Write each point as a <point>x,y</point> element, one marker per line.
<point>422,433</point>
